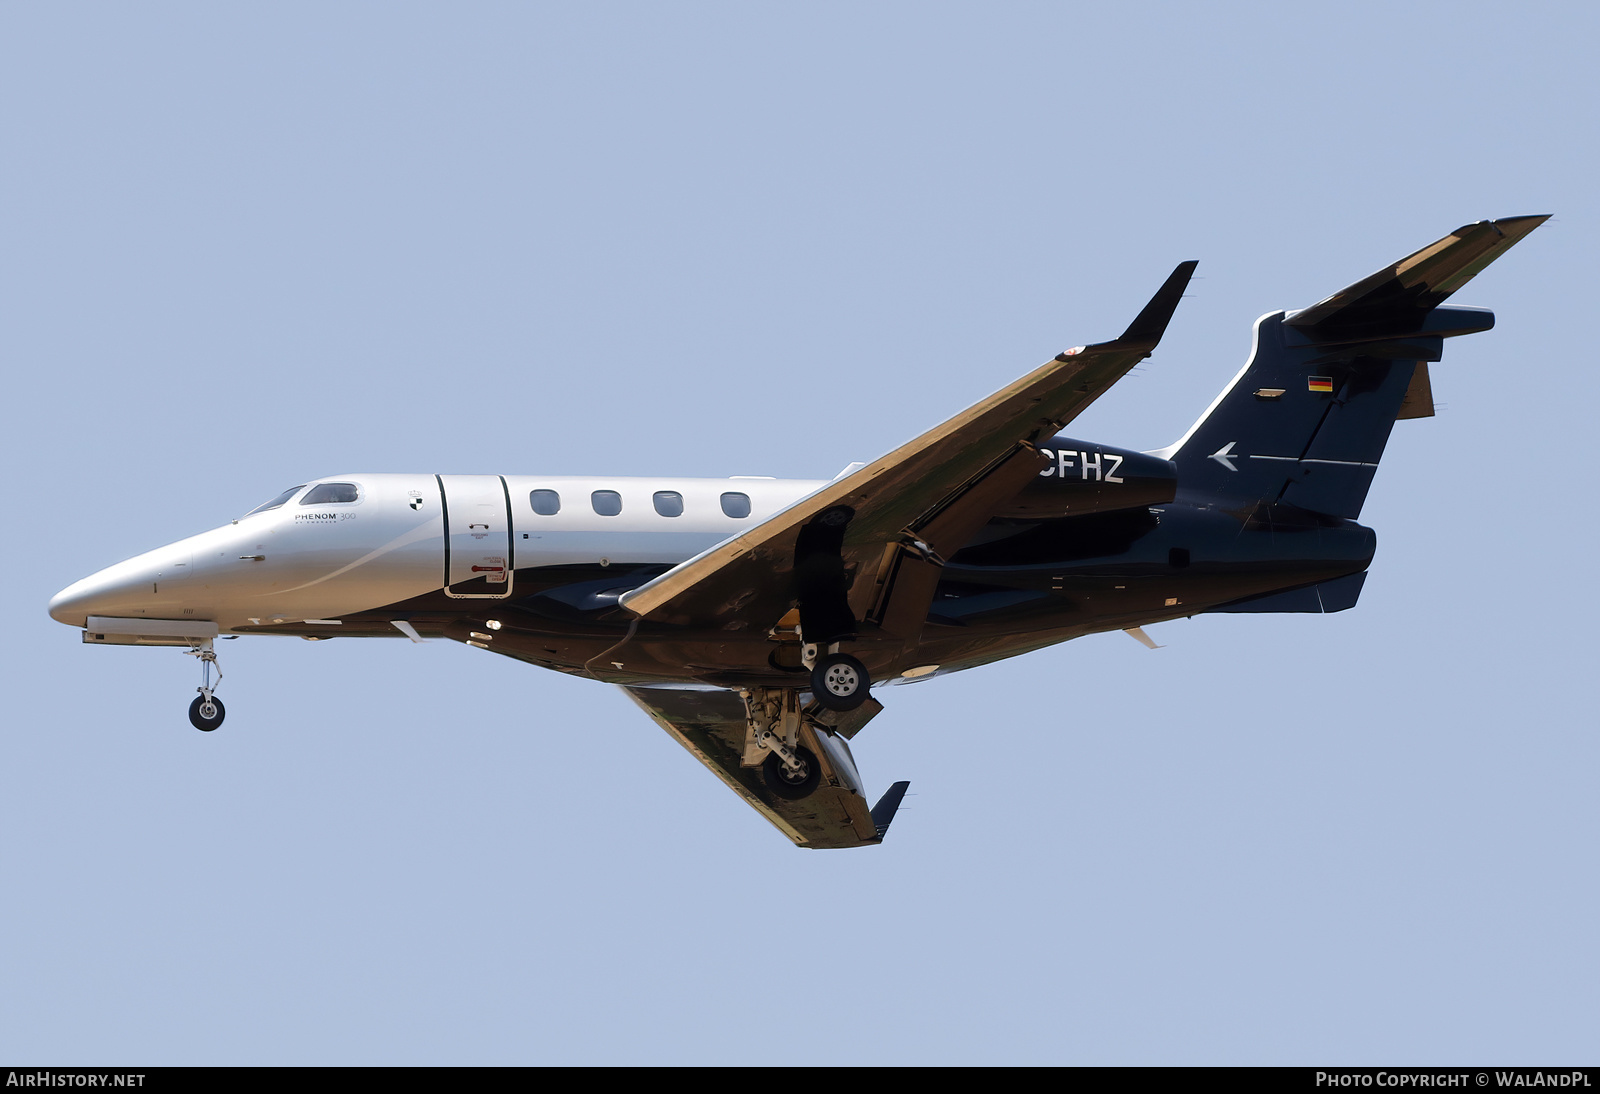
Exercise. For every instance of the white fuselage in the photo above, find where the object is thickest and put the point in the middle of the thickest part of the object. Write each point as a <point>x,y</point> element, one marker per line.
<point>404,536</point>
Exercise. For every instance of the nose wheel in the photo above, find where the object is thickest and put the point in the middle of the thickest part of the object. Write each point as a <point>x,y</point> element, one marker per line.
<point>206,712</point>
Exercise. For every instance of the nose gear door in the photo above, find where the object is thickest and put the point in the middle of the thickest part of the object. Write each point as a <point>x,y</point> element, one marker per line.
<point>478,562</point>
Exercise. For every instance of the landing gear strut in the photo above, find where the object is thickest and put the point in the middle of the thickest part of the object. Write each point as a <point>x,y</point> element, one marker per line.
<point>772,743</point>
<point>206,712</point>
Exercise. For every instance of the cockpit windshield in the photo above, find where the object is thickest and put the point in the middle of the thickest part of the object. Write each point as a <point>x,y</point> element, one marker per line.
<point>332,493</point>
<point>277,501</point>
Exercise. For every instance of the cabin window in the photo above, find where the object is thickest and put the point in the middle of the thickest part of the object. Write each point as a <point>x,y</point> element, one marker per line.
<point>608,503</point>
<point>547,503</point>
<point>332,493</point>
<point>736,505</point>
<point>669,503</point>
<point>277,501</point>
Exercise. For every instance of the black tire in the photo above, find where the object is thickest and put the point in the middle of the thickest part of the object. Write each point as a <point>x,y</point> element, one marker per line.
<point>840,682</point>
<point>197,716</point>
<point>782,782</point>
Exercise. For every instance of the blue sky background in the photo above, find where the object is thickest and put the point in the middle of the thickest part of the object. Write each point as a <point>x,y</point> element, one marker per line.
<point>247,245</point>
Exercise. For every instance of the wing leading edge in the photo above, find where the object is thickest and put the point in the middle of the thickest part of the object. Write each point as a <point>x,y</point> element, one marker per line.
<point>863,553</point>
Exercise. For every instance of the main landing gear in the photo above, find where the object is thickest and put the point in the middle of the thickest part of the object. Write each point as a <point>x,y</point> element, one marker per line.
<point>206,712</point>
<point>776,724</point>
<point>772,743</point>
<point>840,682</point>
<point>792,783</point>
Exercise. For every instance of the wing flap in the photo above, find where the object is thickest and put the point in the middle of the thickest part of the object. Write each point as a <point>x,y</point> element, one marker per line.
<point>910,569</point>
<point>710,724</point>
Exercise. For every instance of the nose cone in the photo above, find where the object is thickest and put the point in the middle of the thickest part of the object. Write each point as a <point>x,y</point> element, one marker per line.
<point>74,604</point>
<point>115,591</point>
<point>147,586</point>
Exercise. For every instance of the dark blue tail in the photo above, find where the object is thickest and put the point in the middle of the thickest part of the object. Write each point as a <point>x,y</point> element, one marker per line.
<point>1305,422</point>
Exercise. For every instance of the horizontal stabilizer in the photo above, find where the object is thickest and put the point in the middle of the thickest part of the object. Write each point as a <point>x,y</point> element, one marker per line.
<point>1398,298</point>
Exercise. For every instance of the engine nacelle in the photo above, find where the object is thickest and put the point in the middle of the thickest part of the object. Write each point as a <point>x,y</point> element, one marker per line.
<point>1091,478</point>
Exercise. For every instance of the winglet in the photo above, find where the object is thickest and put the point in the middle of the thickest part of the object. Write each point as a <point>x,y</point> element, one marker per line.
<point>884,811</point>
<point>1146,330</point>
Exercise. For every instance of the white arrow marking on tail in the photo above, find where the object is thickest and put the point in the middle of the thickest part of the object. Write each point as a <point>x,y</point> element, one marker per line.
<point>1224,457</point>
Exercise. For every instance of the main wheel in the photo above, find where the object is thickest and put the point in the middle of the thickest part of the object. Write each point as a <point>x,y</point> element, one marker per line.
<point>206,714</point>
<point>840,682</point>
<point>785,783</point>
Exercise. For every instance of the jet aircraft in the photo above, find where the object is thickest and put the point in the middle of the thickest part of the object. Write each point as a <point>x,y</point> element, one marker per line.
<point>749,617</point>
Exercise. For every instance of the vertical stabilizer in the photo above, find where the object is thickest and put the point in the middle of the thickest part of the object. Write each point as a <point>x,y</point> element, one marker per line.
<point>1306,421</point>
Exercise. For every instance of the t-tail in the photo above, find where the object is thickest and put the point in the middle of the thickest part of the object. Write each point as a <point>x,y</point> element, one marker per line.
<point>1306,420</point>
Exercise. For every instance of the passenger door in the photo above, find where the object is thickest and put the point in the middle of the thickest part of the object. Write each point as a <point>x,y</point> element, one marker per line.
<point>478,562</point>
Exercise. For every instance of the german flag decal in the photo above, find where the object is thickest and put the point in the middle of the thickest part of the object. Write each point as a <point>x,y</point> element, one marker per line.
<point>1323,384</point>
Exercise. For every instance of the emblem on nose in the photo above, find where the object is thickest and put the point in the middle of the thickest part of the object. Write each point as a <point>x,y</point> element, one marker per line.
<point>416,499</point>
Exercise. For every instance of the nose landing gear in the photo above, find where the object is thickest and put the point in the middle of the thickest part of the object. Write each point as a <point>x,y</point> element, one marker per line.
<point>206,712</point>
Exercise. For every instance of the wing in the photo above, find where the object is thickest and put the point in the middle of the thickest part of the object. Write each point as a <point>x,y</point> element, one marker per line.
<point>711,725</point>
<point>862,555</point>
